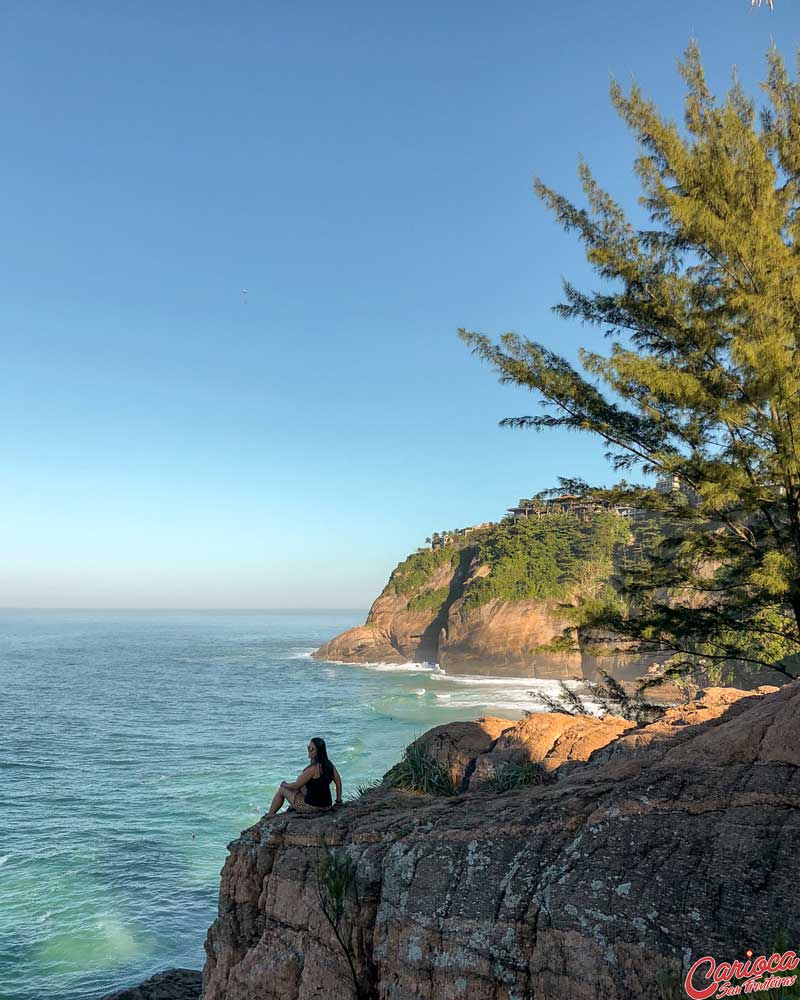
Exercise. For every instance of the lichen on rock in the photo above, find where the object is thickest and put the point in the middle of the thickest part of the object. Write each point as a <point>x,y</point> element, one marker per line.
<point>597,886</point>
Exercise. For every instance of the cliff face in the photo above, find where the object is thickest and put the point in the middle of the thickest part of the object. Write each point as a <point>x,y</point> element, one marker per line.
<point>488,605</point>
<point>393,633</point>
<point>503,637</point>
<point>674,841</point>
<point>496,638</point>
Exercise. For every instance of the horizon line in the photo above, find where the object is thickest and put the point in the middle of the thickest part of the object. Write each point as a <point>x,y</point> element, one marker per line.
<point>20,607</point>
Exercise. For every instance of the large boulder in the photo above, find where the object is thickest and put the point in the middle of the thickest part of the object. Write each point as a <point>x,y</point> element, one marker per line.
<point>607,884</point>
<point>550,739</point>
<point>457,745</point>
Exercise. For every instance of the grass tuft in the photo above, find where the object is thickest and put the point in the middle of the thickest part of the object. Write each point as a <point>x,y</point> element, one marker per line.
<point>511,775</point>
<point>419,772</point>
<point>670,985</point>
<point>363,789</point>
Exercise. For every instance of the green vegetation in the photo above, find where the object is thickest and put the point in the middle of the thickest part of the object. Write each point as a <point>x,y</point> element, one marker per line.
<point>419,772</point>
<point>783,992</point>
<point>611,696</point>
<point>556,556</point>
<point>513,775</point>
<point>363,789</point>
<point>670,985</point>
<point>414,572</point>
<point>780,942</point>
<point>536,559</point>
<point>550,557</point>
<point>429,599</point>
<point>336,892</point>
<point>567,701</point>
<point>701,383</point>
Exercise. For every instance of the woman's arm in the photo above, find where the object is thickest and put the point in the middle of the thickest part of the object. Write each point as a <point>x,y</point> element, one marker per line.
<point>301,779</point>
<point>338,783</point>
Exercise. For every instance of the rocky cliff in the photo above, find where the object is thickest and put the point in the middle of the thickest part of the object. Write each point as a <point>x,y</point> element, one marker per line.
<point>673,841</point>
<point>405,622</point>
<point>489,602</point>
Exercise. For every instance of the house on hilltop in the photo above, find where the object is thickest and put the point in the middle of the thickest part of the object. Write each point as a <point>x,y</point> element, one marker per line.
<point>567,503</point>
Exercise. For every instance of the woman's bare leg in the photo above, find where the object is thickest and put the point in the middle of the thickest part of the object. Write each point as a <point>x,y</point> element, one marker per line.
<point>277,802</point>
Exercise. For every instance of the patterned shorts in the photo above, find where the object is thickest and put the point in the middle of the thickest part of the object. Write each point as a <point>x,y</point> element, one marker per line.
<point>298,803</point>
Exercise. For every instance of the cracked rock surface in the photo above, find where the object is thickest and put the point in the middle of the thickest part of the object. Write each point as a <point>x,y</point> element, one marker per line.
<point>673,841</point>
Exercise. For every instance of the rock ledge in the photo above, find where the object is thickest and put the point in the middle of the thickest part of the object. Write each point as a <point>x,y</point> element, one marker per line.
<point>603,885</point>
<point>174,984</point>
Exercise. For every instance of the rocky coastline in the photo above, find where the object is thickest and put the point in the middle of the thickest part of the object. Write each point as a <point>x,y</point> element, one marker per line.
<point>646,847</point>
<point>642,848</point>
<point>432,620</point>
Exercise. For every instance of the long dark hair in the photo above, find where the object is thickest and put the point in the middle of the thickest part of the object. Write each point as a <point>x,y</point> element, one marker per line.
<point>325,765</point>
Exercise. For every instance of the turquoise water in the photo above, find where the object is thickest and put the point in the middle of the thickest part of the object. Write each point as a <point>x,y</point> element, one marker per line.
<point>135,745</point>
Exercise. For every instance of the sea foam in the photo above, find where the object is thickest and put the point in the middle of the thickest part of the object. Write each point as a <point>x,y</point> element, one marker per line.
<point>302,654</point>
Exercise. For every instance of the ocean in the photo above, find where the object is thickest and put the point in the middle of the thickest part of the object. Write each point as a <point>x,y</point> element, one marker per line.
<point>134,745</point>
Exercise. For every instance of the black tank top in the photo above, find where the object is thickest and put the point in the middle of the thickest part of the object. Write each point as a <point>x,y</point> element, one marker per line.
<point>318,792</point>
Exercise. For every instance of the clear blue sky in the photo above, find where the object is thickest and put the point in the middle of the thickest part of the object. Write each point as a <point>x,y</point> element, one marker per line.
<point>364,171</point>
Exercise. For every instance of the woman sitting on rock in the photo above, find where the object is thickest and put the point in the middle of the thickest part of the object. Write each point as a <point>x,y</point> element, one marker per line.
<point>311,791</point>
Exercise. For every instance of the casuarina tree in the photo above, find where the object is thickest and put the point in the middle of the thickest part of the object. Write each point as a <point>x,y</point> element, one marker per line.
<point>700,381</point>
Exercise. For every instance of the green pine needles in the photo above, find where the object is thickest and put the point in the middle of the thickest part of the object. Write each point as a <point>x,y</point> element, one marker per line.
<point>699,383</point>
<point>611,697</point>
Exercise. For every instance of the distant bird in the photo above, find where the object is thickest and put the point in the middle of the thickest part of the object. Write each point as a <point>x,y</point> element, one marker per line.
<point>757,3</point>
<point>244,296</point>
